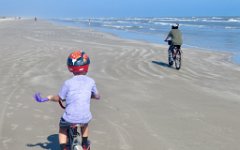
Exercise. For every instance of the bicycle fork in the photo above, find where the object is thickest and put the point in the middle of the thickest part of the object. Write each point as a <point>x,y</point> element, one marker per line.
<point>74,141</point>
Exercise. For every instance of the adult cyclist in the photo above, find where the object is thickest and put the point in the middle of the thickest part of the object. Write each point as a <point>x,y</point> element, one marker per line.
<point>175,35</point>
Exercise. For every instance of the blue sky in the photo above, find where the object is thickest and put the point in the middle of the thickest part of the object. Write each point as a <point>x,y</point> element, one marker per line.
<point>119,8</point>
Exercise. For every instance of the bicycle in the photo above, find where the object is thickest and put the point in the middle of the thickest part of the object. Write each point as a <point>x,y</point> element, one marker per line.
<point>73,134</point>
<point>176,54</point>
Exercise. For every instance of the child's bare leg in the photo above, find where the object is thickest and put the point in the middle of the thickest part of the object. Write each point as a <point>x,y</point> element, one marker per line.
<point>84,130</point>
<point>62,136</point>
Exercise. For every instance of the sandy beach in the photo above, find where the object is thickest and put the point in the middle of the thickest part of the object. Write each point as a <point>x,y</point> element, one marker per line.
<point>144,103</point>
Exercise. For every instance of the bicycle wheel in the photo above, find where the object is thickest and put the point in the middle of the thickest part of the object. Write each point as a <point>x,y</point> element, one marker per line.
<point>178,59</point>
<point>171,58</point>
<point>77,147</point>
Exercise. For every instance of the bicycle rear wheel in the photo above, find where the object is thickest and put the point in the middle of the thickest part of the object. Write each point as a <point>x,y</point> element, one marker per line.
<point>178,59</point>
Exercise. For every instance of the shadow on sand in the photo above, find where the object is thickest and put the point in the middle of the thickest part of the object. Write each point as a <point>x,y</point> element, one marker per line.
<point>51,144</point>
<point>161,64</point>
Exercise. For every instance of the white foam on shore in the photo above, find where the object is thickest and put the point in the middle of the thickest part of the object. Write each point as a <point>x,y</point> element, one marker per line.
<point>7,19</point>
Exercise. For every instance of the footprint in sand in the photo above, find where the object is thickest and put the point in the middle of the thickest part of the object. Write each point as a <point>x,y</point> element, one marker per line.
<point>28,128</point>
<point>14,126</point>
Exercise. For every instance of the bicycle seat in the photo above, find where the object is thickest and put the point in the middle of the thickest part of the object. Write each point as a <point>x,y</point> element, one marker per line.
<point>75,125</point>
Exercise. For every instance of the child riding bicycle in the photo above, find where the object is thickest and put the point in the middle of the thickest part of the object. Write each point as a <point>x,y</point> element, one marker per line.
<point>76,92</point>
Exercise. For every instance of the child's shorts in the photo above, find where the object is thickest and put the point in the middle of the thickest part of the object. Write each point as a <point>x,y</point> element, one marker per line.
<point>64,124</point>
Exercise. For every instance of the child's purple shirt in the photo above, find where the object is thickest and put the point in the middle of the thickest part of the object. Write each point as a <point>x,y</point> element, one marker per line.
<point>77,92</point>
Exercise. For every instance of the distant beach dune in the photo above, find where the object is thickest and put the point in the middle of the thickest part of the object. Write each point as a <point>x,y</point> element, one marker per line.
<point>145,104</point>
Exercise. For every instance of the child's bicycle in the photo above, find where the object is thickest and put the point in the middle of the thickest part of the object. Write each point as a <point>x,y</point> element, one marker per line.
<point>74,130</point>
<point>73,134</point>
<point>176,54</point>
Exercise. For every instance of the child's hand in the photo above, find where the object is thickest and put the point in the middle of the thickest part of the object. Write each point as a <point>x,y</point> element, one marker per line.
<point>39,99</point>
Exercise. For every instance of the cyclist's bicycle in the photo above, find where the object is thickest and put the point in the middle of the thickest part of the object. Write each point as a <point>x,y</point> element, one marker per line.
<point>176,54</point>
<point>73,134</point>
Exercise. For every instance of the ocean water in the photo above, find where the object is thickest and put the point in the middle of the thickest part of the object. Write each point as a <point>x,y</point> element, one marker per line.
<point>206,33</point>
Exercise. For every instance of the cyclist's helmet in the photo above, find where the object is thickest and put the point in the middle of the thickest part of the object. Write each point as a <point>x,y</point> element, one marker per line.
<point>175,26</point>
<point>78,62</point>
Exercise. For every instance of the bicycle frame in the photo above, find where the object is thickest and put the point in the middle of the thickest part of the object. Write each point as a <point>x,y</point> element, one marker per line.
<point>176,54</point>
<point>175,50</point>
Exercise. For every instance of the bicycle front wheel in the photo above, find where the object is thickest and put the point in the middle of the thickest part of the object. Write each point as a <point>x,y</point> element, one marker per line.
<point>77,147</point>
<point>178,60</point>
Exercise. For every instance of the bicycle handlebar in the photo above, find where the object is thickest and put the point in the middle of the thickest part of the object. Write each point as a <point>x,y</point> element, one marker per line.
<point>61,104</point>
<point>37,96</point>
<point>169,42</point>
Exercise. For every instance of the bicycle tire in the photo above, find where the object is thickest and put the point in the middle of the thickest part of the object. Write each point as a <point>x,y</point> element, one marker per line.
<point>178,59</point>
<point>77,147</point>
<point>61,104</point>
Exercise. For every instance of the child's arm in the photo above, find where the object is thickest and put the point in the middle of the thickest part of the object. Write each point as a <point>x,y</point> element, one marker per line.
<point>54,98</point>
<point>95,96</point>
<point>41,99</point>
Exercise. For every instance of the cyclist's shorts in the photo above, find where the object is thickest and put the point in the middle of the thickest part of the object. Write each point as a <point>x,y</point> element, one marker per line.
<point>178,46</point>
<point>64,124</point>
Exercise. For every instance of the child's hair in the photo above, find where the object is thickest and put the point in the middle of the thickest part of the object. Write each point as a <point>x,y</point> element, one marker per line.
<point>79,73</point>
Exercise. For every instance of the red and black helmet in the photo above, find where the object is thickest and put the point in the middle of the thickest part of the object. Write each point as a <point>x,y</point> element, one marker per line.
<point>78,62</point>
